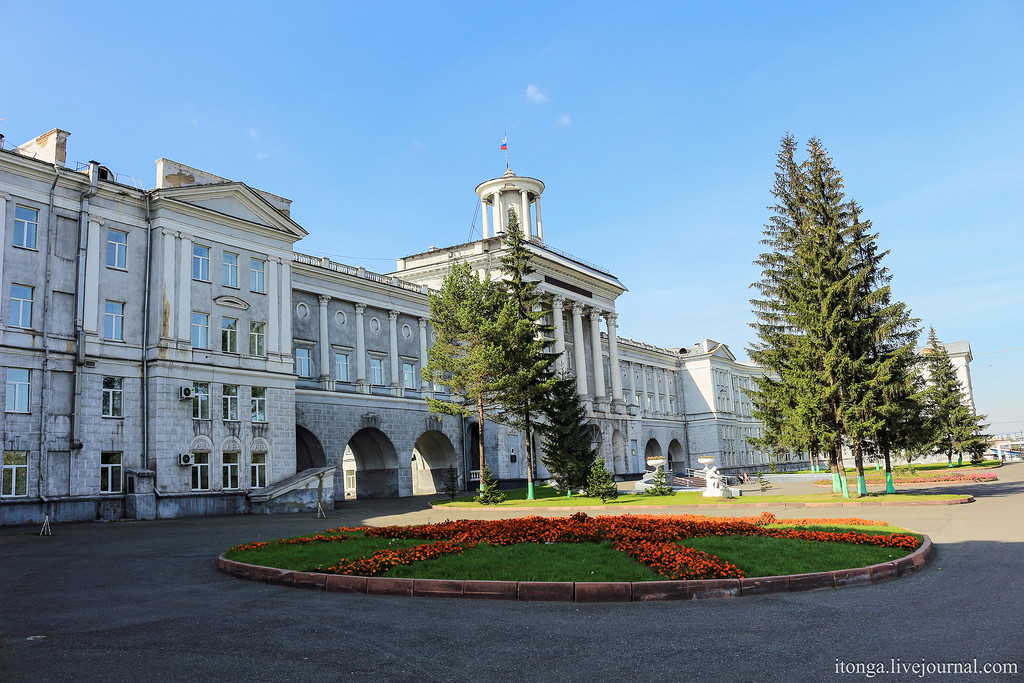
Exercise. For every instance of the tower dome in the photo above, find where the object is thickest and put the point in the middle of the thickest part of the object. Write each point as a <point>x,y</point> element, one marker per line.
<point>500,196</point>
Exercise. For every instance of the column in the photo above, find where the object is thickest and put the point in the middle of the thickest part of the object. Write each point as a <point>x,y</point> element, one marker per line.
<point>632,384</point>
<point>557,309</point>
<point>167,317</point>
<point>3,231</point>
<point>578,351</point>
<point>396,364</point>
<point>424,385</point>
<point>613,359</point>
<point>597,357</point>
<point>643,389</point>
<point>93,315</point>
<point>483,214</point>
<point>499,221</point>
<point>274,305</point>
<point>184,302</point>
<point>657,395</point>
<point>285,295</point>
<point>540,226</point>
<point>525,218</point>
<point>361,350</point>
<point>325,344</point>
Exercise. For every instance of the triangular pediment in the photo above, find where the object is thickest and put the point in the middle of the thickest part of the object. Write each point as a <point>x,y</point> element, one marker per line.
<point>239,201</point>
<point>722,351</point>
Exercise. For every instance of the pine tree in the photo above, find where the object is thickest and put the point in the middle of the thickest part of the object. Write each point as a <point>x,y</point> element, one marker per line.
<point>489,493</point>
<point>530,376</point>
<point>568,453</point>
<point>953,426</point>
<point>600,483</point>
<point>661,485</point>
<point>451,483</point>
<point>472,320</point>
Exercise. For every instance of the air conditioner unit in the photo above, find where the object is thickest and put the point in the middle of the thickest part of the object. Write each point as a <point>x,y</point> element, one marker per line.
<point>185,393</point>
<point>185,459</point>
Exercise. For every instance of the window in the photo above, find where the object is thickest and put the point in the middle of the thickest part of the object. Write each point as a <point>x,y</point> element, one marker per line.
<point>15,474</point>
<point>229,335</point>
<point>200,263</point>
<point>409,374</point>
<point>113,321</point>
<point>256,336</point>
<point>229,471</point>
<point>340,366</point>
<point>110,473</point>
<point>258,470</point>
<point>17,390</point>
<point>377,371</point>
<point>112,395</point>
<point>117,249</point>
<point>302,368</point>
<point>25,223</point>
<point>200,330</point>
<point>200,401</point>
<point>259,404</point>
<point>230,269</point>
<point>200,471</point>
<point>230,403</point>
<point>256,269</point>
<point>21,306</point>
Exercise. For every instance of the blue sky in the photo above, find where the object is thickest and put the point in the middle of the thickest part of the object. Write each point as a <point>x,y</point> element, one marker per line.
<point>655,129</point>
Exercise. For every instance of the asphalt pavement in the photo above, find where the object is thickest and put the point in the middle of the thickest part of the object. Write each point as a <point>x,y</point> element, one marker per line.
<point>141,601</point>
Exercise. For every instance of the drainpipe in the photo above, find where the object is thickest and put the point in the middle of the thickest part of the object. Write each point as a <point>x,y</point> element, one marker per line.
<point>83,243</point>
<point>51,228</point>
<point>145,340</point>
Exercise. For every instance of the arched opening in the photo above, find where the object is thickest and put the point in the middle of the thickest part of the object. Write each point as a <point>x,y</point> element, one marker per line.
<point>652,450</point>
<point>619,453</point>
<point>372,457</point>
<point>308,451</point>
<point>431,457</point>
<point>676,457</point>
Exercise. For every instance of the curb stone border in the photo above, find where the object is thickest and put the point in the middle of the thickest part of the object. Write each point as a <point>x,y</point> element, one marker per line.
<point>567,591</point>
<point>684,509</point>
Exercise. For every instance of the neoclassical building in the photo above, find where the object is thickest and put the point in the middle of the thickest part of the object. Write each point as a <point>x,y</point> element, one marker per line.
<point>167,352</point>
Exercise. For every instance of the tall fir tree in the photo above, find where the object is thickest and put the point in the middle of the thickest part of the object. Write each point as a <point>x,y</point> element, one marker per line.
<point>953,426</point>
<point>472,320</point>
<point>530,374</point>
<point>568,453</point>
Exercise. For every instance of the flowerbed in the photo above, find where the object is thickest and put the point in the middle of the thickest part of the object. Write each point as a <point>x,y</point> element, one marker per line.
<point>655,541</point>
<point>924,478</point>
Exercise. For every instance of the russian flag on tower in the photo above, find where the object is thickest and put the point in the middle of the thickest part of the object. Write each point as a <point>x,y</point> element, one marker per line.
<point>504,143</point>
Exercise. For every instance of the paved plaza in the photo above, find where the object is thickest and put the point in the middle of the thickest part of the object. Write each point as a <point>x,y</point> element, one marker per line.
<point>142,601</point>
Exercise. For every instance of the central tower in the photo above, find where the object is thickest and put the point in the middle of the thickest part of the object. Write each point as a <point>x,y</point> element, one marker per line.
<point>499,196</point>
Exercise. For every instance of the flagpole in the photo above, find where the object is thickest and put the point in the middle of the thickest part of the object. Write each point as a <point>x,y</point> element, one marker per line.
<point>504,143</point>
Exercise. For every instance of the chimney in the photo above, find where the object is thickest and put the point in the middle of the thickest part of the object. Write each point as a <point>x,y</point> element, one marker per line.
<point>51,147</point>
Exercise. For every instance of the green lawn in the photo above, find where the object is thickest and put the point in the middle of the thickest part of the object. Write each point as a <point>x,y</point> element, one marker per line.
<point>902,465</point>
<point>763,556</point>
<point>302,557</point>
<point>548,497</point>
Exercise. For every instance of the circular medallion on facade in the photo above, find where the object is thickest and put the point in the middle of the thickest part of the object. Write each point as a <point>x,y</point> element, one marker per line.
<point>374,324</point>
<point>406,331</point>
<point>301,310</point>
<point>340,318</point>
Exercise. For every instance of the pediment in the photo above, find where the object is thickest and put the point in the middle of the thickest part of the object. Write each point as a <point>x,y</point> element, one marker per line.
<point>722,351</point>
<point>232,302</point>
<point>239,201</point>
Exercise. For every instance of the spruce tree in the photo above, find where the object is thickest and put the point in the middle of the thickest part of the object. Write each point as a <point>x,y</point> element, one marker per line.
<point>530,376</point>
<point>953,426</point>
<point>568,453</point>
<point>600,483</point>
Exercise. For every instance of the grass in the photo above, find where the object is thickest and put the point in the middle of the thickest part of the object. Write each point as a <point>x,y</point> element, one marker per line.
<point>304,556</point>
<point>548,497</point>
<point>901,465</point>
<point>763,556</point>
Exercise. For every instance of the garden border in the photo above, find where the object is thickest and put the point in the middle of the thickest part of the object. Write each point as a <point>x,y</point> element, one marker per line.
<point>682,509</point>
<point>568,591</point>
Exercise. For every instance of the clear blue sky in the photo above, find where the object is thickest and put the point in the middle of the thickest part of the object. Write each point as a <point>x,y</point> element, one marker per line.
<point>654,127</point>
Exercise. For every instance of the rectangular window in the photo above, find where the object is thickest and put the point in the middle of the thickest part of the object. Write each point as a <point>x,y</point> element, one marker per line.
<point>230,269</point>
<point>17,390</point>
<point>258,470</point>
<point>230,403</point>
<point>302,367</point>
<point>200,330</point>
<point>200,263</point>
<point>110,473</point>
<point>200,471</point>
<point>200,401</point>
<point>112,396</point>
<point>409,374</point>
<point>113,320</point>
<point>229,471</point>
<point>340,366</point>
<point>15,474</point>
<point>259,404</point>
<point>377,371</point>
<point>256,270</point>
<point>21,306</point>
<point>256,337</point>
<point>229,335</point>
<point>25,223</point>
<point>117,249</point>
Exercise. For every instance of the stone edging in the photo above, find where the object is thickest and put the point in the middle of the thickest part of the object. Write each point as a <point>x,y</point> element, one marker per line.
<point>567,591</point>
<point>684,509</point>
